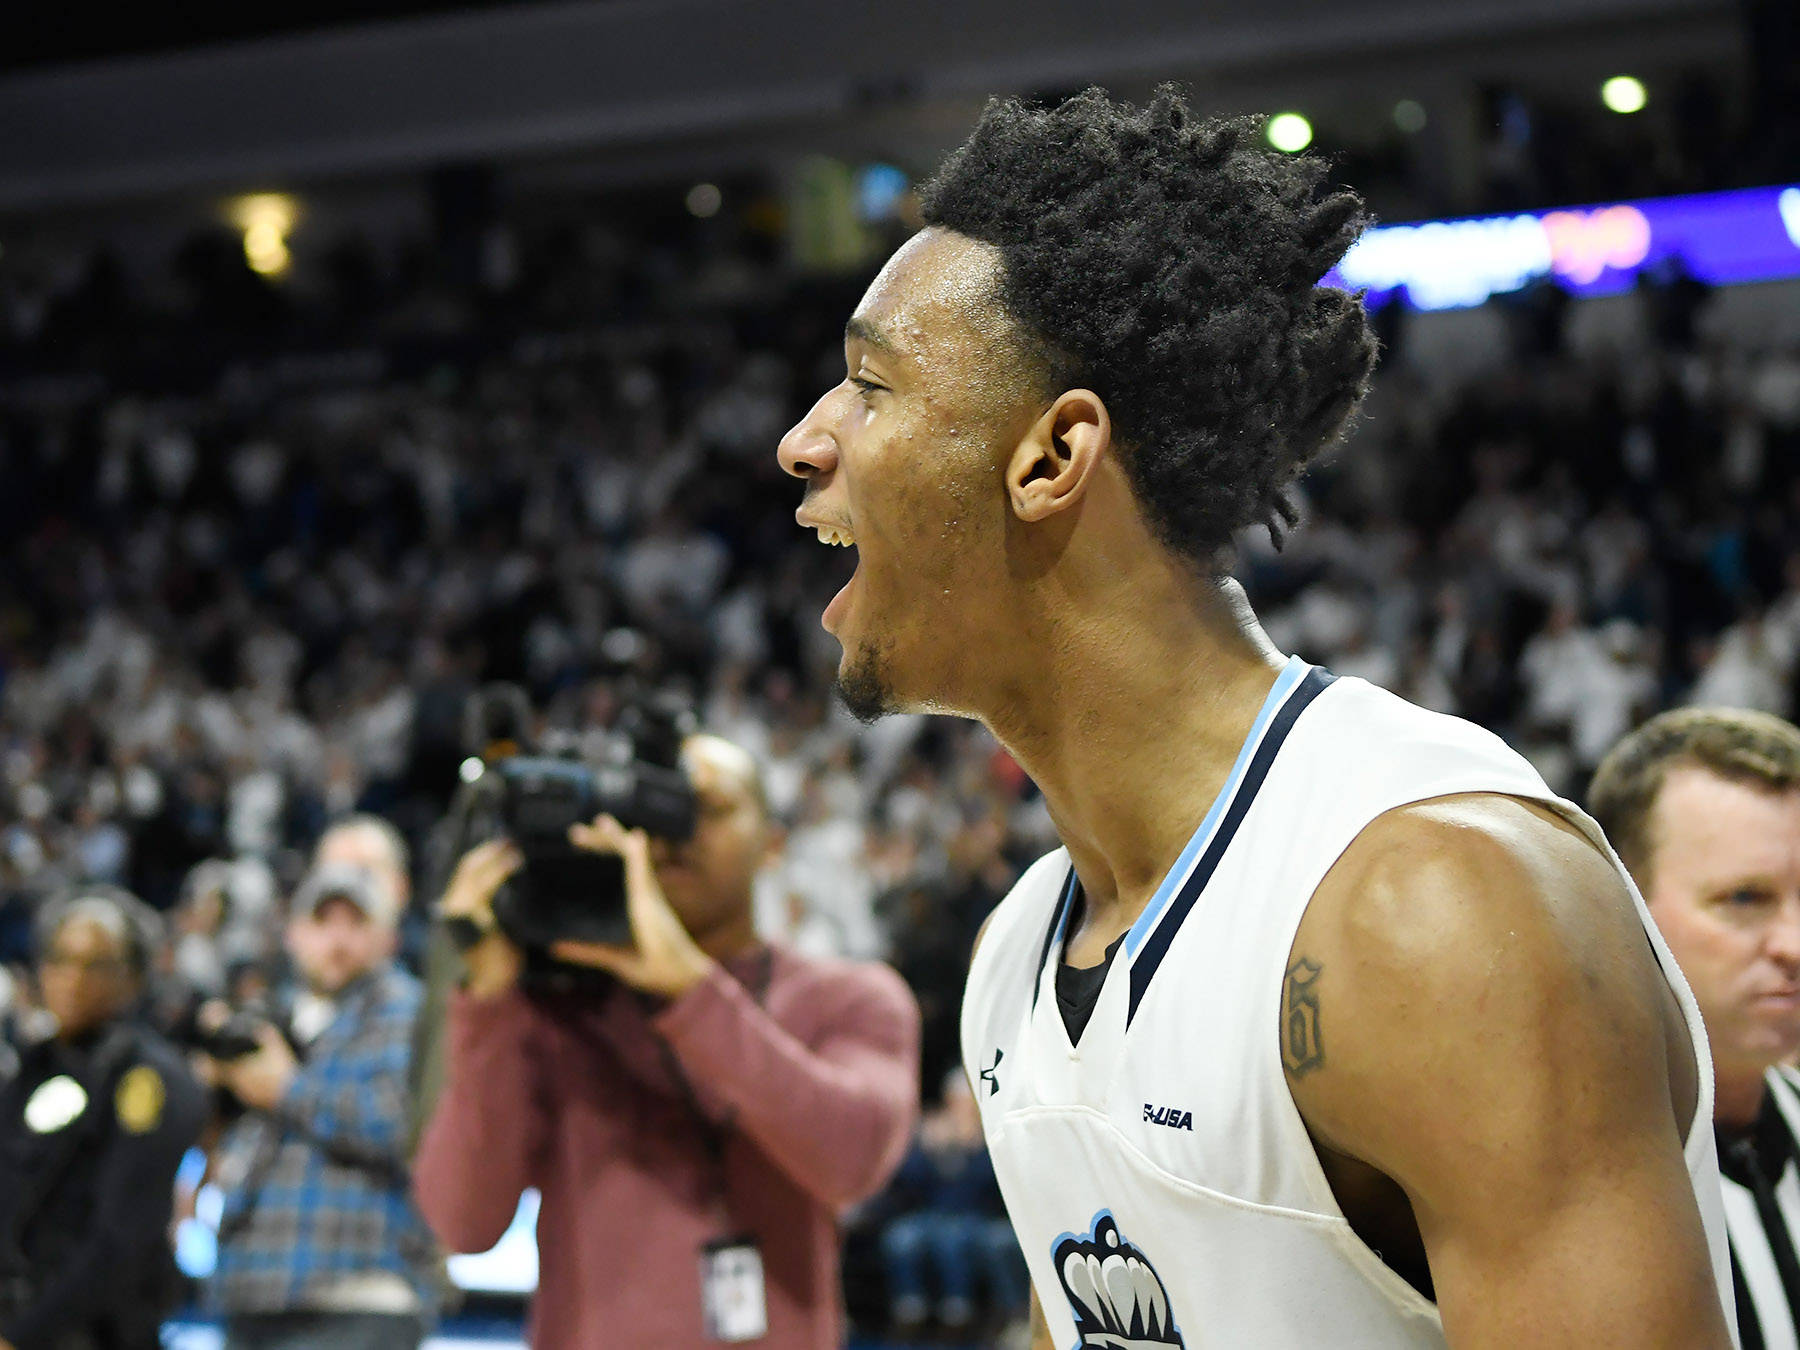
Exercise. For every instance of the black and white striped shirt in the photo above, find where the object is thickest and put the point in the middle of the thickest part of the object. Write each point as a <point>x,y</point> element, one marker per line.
<point>1761,1182</point>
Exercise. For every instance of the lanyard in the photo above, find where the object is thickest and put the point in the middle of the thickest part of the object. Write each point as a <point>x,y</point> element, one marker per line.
<point>713,1133</point>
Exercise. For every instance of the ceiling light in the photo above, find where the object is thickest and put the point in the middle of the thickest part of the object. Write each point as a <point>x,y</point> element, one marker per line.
<point>1289,131</point>
<point>1624,94</point>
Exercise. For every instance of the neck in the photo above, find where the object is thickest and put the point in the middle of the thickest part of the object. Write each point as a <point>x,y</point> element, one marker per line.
<point>1136,696</point>
<point>730,940</point>
<point>1738,1098</point>
<point>81,1036</point>
<point>332,995</point>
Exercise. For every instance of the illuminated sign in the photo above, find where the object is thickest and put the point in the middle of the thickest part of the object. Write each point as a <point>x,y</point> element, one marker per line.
<point>1719,237</point>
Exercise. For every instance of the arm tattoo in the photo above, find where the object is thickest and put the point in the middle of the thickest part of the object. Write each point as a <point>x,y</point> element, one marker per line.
<point>1301,1049</point>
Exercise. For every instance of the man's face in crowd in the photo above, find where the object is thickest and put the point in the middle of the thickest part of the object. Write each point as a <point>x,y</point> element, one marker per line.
<point>356,845</point>
<point>336,943</point>
<point>86,976</point>
<point>1725,891</point>
<point>708,878</point>
<point>906,457</point>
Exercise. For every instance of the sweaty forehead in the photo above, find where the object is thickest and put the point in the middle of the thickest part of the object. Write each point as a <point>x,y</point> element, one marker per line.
<point>938,299</point>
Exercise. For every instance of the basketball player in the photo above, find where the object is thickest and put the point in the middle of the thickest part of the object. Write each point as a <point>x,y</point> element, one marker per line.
<point>1330,1025</point>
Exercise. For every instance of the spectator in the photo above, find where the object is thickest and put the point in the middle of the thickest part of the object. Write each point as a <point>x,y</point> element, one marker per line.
<point>695,1126</point>
<point>1750,667</point>
<point>372,845</point>
<point>93,1122</point>
<point>953,1243</point>
<point>319,1243</point>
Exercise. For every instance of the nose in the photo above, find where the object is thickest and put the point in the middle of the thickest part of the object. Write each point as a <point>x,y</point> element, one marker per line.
<point>1783,938</point>
<point>808,450</point>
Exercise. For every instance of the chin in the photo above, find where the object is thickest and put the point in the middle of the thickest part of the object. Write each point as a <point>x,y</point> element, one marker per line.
<point>864,683</point>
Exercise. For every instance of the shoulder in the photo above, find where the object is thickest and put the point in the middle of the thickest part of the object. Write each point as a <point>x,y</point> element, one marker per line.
<point>1461,948</point>
<point>160,1053</point>
<point>156,1088</point>
<point>1030,897</point>
<point>1046,874</point>
<point>1359,733</point>
<point>835,985</point>
<point>1436,878</point>
<point>397,993</point>
<point>1787,1076</point>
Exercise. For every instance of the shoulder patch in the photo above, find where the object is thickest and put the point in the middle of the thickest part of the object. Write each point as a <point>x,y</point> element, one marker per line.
<point>139,1099</point>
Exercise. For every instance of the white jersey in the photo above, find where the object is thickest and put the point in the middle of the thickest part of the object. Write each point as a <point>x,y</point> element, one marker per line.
<point>1159,1176</point>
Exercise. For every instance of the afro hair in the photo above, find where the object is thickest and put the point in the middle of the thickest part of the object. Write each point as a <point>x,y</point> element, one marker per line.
<point>1170,263</point>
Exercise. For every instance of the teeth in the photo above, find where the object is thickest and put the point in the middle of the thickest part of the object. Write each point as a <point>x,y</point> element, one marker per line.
<point>831,535</point>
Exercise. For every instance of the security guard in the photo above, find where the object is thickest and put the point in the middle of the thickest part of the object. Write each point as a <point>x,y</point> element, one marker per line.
<point>92,1127</point>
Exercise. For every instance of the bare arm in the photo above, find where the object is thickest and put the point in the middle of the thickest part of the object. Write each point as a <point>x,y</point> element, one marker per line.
<point>1481,963</point>
<point>1040,1329</point>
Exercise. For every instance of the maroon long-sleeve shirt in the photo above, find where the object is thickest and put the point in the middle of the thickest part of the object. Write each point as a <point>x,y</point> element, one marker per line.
<point>812,1092</point>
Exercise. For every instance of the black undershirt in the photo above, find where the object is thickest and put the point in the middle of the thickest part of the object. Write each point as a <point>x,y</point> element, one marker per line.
<point>1078,989</point>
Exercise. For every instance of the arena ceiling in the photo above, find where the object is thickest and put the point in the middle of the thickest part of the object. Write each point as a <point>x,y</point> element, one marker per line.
<point>282,95</point>
<point>91,30</point>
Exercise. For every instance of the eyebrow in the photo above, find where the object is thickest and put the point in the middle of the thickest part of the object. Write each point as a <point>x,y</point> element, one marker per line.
<point>861,330</point>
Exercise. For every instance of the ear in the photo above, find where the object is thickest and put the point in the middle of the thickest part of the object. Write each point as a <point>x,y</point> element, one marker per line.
<point>1051,468</point>
<point>774,845</point>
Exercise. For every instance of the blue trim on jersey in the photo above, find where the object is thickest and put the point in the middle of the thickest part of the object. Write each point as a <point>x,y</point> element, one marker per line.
<point>1281,705</point>
<point>1156,946</point>
<point>1059,923</point>
<point>1291,675</point>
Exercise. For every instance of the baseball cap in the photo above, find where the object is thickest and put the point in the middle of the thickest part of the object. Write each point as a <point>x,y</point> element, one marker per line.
<point>344,881</point>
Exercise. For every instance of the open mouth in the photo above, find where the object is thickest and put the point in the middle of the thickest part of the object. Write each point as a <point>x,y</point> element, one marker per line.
<point>838,537</point>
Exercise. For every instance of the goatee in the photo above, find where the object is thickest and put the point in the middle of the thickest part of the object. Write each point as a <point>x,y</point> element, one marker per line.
<point>863,686</point>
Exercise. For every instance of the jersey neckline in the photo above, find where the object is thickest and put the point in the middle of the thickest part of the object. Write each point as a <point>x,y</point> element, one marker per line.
<point>1148,938</point>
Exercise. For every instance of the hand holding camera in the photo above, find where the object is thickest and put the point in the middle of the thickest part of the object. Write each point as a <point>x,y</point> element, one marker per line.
<point>560,873</point>
<point>663,959</point>
<point>245,1054</point>
<point>260,1079</point>
<point>493,962</point>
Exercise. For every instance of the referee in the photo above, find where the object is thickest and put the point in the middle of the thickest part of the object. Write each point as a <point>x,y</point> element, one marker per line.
<point>1703,805</point>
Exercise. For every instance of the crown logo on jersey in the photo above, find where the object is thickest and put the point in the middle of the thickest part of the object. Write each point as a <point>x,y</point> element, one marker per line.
<point>1119,1301</point>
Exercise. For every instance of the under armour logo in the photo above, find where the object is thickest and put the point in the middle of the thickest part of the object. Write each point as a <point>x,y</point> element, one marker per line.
<point>991,1074</point>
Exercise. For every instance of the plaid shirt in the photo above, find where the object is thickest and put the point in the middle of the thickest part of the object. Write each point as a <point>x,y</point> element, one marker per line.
<point>318,1190</point>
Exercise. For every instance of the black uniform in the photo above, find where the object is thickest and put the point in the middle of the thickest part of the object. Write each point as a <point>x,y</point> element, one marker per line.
<point>90,1137</point>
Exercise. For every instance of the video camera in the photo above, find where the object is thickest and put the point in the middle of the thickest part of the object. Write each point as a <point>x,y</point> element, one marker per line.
<point>532,799</point>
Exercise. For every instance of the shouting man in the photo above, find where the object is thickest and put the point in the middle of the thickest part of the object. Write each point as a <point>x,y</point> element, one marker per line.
<point>1330,1024</point>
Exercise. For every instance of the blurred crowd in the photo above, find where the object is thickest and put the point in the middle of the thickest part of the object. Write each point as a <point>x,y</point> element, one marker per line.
<point>241,608</point>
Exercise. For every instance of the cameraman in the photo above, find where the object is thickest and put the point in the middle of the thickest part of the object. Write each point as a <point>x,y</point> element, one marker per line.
<point>92,1127</point>
<point>696,1124</point>
<point>319,1243</point>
